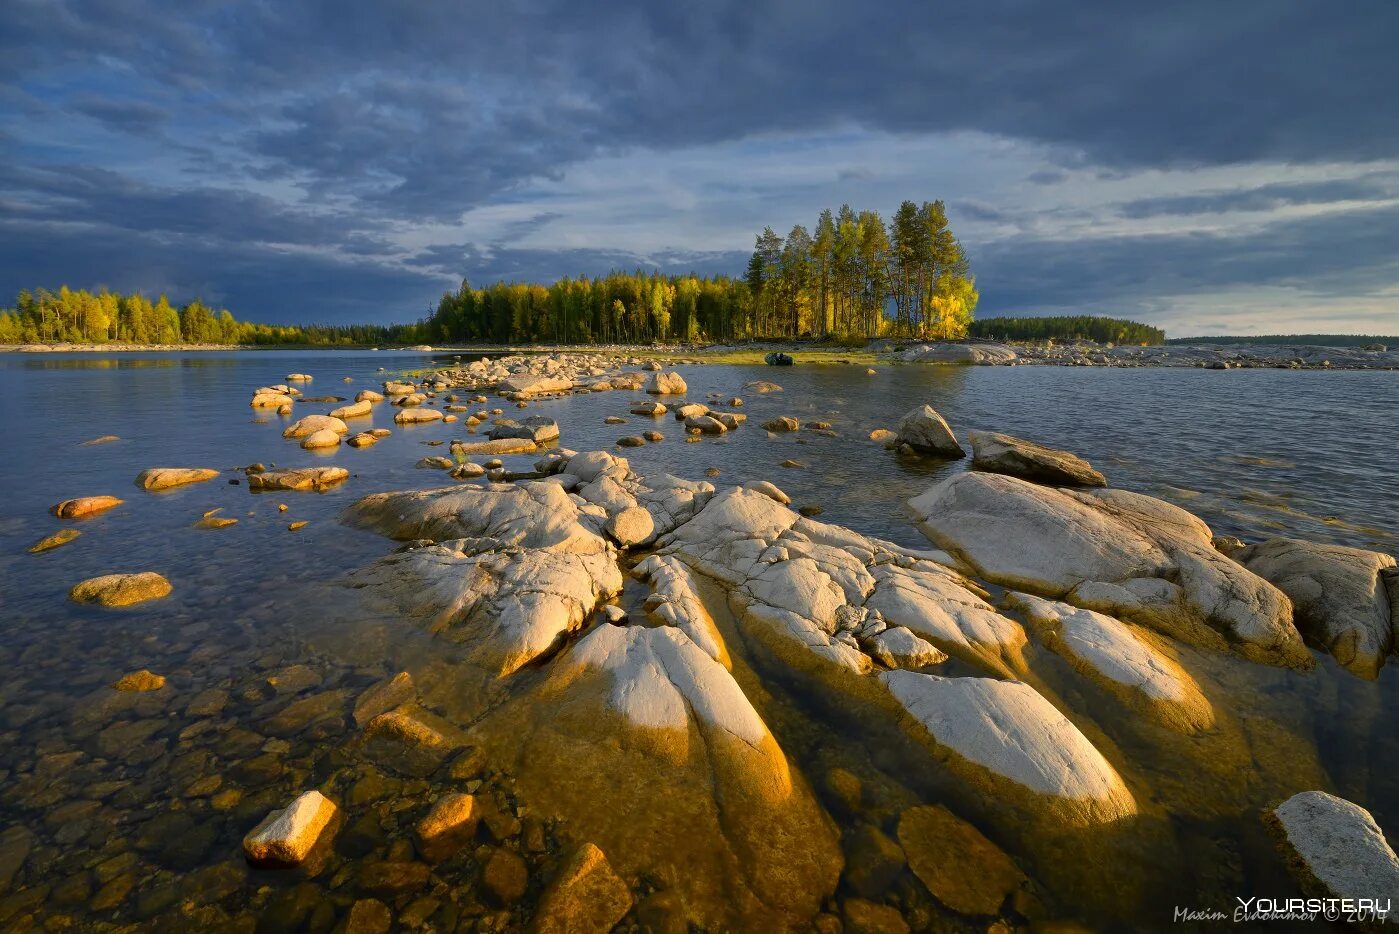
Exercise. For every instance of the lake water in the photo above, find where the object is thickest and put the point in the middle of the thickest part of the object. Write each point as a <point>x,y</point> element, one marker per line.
<point>128,826</point>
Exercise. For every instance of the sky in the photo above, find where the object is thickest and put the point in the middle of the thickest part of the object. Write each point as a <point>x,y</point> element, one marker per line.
<point>1208,167</point>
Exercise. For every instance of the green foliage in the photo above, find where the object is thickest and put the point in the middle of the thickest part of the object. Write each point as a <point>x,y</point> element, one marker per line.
<point>843,280</point>
<point>1067,328</point>
<point>82,317</point>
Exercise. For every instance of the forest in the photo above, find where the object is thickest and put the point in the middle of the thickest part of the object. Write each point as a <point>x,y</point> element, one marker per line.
<point>81,317</point>
<point>1067,328</point>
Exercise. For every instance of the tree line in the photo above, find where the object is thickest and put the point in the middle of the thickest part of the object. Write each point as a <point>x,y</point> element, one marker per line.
<point>1068,328</point>
<point>846,278</point>
<point>81,317</point>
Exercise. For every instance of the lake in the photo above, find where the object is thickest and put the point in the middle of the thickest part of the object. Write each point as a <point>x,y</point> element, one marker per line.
<point>129,824</point>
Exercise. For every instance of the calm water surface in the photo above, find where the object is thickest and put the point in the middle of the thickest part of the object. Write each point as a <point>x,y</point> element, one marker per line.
<point>123,823</point>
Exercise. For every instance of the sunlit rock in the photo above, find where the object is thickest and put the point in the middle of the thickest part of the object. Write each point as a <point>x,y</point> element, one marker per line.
<point>84,506</point>
<point>1120,553</point>
<point>665,383</point>
<point>1121,661</point>
<point>164,478</point>
<point>286,837</point>
<point>1339,598</point>
<point>998,453</point>
<point>1008,741</point>
<point>926,431</point>
<point>300,478</point>
<point>120,589</point>
<point>313,423</point>
<point>1336,850</point>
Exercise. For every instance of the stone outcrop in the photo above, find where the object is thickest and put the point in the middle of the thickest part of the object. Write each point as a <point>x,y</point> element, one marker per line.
<point>1121,660</point>
<point>1336,850</point>
<point>1005,739</point>
<point>998,453</point>
<point>1339,597</point>
<point>1123,554</point>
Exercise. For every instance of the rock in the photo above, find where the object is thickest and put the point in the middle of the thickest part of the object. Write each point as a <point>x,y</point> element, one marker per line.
<point>614,420</point>
<point>120,589</point>
<point>884,436</point>
<point>357,409</point>
<point>497,446</point>
<point>1007,740</point>
<point>897,647</point>
<point>630,527</point>
<point>665,384</point>
<point>264,399</point>
<point>215,522</point>
<point>942,352</point>
<point>1116,552</point>
<point>705,424</point>
<point>436,463</point>
<point>84,506</point>
<point>384,696</point>
<point>792,464</point>
<point>301,478</point>
<point>447,827</point>
<point>368,395</point>
<point>56,540</point>
<point>15,844</point>
<point>585,897</point>
<point>142,680</point>
<point>367,916</point>
<point>927,432</point>
<point>782,423</point>
<point>1336,850</point>
<point>362,440</point>
<point>394,877</point>
<point>298,377</point>
<point>657,736</point>
<point>417,416</point>
<point>762,387</point>
<point>532,385</point>
<point>163,478</point>
<point>312,424</point>
<point>631,441</point>
<point>998,453</point>
<point>1121,661</point>
<point>468,471</point>
<point>325,438</point>
<point>285,837</point>
<point>505,877</point>
<point>964,870</point>
<point>769,490</point>
<point>873,861</point>
<point>1339,598</point>
<point>730,420</point>
<point>410,741</point>
<point>866,917</point>
<point>537,428</point>
<point>690,410</point>
<point>653,409</point>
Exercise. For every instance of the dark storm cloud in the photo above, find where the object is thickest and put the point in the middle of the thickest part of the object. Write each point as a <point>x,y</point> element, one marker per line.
<point>1346,254</point>
<point>336,125</point>
<point>1264,197</point>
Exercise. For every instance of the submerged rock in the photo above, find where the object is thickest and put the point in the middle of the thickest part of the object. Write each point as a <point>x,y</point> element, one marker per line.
<point>120,589</point>
<point>56,540</point>
<point>84,506</point>
<point>1004,738</point>
<point>964,870</point>
<point>1336,850</point>
<point>286,837</point>
<point>164,478</point>
<point>1116,552</point>
<point>998,453</point>
<point>447,827</point>
<point>927,432</point>
<point>139,681</point>
<point>587,895</point>
<point>1339,597</point>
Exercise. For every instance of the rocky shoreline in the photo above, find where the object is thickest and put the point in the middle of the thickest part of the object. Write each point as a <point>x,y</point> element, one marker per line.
<point>667,703</point>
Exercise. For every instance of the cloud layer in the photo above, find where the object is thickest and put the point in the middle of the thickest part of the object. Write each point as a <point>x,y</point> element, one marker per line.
<point>348,161</point>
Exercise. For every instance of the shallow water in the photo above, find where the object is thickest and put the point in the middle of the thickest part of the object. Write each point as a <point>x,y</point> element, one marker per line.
<point>110,785</point>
